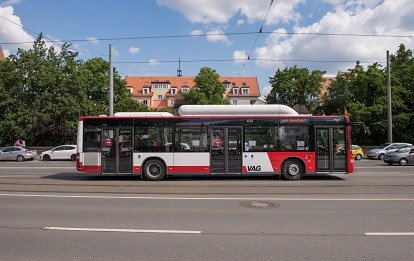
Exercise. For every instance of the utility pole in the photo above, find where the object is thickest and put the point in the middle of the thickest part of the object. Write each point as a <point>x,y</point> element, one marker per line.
<point>389,111</point>
<point>111,83</point>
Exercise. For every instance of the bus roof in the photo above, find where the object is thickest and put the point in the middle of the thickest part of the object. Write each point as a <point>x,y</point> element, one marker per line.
<point>142,114</point>
<point>222,110</point>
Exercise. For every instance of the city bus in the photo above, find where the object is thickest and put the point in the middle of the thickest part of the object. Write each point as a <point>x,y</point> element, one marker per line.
<point>215,140</point>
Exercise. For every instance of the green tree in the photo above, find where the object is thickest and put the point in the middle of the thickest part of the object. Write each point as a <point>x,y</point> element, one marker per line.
<point>296,86</point>
<point>207,90</point>
<point>337,97</point>
<point>402,86</point>
<point>95,73</point>
<point>43,82</point>
<point>46,90</point>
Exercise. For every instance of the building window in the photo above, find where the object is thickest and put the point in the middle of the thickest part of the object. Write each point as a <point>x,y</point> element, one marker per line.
<point>227,85</point>
<point>185,89</point>
<point>245,91</point>
<point>159,97</point>
<point>235,91</point>
<point>160,85</point>
<point>171,103</point>
<point>234,102</point>
<point>173,90</point>
<point>145,102</point>
<point>145,91</point>
<point>130,89</point>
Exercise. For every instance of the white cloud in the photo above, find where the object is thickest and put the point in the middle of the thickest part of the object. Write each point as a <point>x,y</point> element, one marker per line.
<point>10,3</point>
<point>153,62</point>
<point>12,32</point>
<point>346,19</point>
<point>221,11</point>
<point>265,91</point>
<point>92,40</point>
<point>240,22</point>
<point>218,35</point>
<point>239,56</point>
<point>196,32</point>
<point>133,50</point>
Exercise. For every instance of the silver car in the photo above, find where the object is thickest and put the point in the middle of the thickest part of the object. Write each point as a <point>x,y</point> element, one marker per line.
<point>17,153</point>
<point>402,156</point>
<point>63,152</point>
<point>379,152</point>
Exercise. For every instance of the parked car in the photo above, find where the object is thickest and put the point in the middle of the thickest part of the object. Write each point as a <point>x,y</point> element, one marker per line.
<point>184,146</point>
<point>402,156</point>
<point>380,151</point>
<point>63,152</point>
<point>18,153</point>
<point>357,152</point>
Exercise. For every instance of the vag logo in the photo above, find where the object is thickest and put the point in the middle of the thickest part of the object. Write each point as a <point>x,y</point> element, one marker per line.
<point>254,168</point>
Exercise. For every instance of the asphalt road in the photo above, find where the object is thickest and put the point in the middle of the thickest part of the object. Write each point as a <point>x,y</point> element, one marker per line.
<point>48,211</point>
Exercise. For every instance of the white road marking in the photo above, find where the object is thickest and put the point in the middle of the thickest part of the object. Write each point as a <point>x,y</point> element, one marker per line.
<point>204,198</point>
<point>389,233</point>
<point>161,231</point>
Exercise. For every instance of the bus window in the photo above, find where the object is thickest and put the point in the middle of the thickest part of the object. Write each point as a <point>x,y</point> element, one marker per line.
<point>191,139</point>
<point>92,136</point>
<point>294,138</point>
<point>260,138</point>
<point>152,136</point>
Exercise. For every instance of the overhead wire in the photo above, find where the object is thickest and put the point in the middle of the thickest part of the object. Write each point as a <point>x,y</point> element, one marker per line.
<point>257,37</point>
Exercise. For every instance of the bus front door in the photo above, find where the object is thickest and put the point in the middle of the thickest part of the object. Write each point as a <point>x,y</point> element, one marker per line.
<point>226,148</point>
<point>116,151</point>
<point>330,149</point>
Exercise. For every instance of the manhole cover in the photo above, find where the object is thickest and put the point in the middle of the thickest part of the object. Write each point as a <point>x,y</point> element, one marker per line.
<point>259,204</point>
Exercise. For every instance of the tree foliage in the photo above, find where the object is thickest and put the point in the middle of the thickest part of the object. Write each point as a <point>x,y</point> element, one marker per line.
<point>296,86</point>
<point>44,91</point>
<point>363,92</point>
<point>207,90</point>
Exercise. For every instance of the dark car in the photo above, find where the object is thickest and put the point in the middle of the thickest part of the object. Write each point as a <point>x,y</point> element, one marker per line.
<point>402,156</point>
<point>17,153</point>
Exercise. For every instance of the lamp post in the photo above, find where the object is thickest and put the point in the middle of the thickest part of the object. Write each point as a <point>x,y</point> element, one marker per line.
<point>111,83</point>
<point>389,103</point>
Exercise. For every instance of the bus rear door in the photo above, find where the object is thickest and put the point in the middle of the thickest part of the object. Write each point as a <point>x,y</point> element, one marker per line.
<point>328,156</point>
<point>116,151</point>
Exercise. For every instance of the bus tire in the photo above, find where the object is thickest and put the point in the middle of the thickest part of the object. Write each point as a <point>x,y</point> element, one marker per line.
<point>292,169</point>
<point>154,170</point>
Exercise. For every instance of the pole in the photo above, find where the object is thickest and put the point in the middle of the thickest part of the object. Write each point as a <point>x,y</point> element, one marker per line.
<point>111,83</point>
<point>389,111</point>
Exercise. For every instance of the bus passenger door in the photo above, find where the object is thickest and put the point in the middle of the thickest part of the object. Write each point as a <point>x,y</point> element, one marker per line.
<point>117,151</point>
<point>226,148</point>
<point>330,149</point>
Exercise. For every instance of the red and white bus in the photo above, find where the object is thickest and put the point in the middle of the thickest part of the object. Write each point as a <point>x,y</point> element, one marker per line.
<point>215,140</point>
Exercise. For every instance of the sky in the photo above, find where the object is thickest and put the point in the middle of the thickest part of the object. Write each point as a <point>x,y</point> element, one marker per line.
<point>233,37</point>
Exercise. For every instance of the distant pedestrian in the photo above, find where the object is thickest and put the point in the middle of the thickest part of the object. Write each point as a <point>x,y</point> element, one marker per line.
<point>17,143</point>
<point>23,143</point>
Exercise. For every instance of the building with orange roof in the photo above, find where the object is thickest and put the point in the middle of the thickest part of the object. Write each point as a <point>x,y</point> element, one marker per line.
<point>1,54</point>
<point>165,91</point>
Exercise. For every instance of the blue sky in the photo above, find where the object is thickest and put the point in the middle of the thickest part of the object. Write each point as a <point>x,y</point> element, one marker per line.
<point>150,36</point>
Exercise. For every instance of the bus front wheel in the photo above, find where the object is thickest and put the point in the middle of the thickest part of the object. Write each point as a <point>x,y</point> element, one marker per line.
<point>292,169</point>
<point>154,170</point>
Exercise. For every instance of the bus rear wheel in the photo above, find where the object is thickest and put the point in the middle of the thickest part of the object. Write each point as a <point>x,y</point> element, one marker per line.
<point>154,170</point>
<point>292,169</point>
